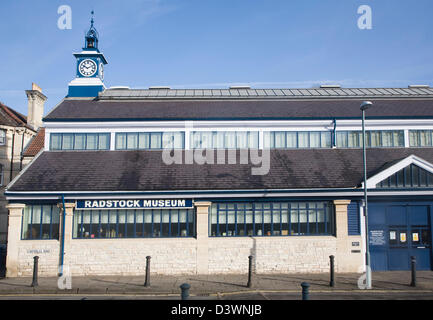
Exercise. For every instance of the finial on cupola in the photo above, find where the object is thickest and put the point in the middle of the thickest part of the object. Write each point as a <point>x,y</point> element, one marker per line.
<point>92,36</point>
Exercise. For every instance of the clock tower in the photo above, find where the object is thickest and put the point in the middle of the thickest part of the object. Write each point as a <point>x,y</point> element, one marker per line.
<point>90,68</point>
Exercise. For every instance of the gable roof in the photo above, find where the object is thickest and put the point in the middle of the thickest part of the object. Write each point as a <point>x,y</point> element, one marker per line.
<point>10,117</point>
<point>136,171</point>
<point>395,166</point>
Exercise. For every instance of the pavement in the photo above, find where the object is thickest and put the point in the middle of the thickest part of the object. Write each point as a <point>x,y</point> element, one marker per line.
<point>226,287</point>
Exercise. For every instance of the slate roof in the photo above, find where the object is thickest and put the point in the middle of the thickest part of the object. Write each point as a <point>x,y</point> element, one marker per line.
<point>158,105</point>
<point>76,110</point>
<point>145,171</point>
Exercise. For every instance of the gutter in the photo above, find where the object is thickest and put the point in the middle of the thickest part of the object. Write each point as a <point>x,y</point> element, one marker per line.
<point>62,240</point>
<point>12,156</point>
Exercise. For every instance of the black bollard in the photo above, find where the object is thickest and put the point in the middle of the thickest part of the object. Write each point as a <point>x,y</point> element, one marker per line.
<point>413,269</point>
<point>185,291</point>
<point>35,272</point>
<point>250,271</point>
<point>305,293</point>
<point>332,280</point>
<point>147,281</point>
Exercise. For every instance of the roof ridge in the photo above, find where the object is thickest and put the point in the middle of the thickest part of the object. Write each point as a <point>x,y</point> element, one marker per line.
<point>14,114</point>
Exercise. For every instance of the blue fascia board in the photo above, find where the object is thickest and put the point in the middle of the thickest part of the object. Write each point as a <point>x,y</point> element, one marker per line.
<point>84,91</point>
<point>228,192</point>
<point>224,119</point>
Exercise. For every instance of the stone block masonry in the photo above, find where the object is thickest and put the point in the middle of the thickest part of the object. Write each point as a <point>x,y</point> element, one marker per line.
<point>175,256</point>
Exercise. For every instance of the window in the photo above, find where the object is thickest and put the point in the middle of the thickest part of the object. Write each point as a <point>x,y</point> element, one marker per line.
<point>225,140</point>
<point>410,177</point>
<point>152,223</point>
<point>2,137</point>
<point>79,141</point>
<point>374,139</point>
<point>149,140</point>
<point>271,219</point>
<point>420,138</point>
<point>293,139</point>
<point>40,222</point>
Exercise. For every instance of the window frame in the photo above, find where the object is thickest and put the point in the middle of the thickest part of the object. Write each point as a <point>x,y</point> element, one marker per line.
<point>325,139</point>
<point>368,138</point>
<point>53,233</point>
<point>2,137</point>
<point>149,134</point>
<point>218,219</point>
<point>156,225</point>
<point>98,136</point>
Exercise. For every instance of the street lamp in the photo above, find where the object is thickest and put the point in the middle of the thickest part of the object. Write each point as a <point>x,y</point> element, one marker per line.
<point>364,106</point>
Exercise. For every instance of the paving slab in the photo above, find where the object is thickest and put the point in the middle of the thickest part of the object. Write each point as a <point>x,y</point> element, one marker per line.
<point>212,285</point>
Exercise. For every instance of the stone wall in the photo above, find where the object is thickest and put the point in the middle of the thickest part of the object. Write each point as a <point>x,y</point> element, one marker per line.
<point>128,256</point>
<point>48,253</point>
<point>200,255</point>
<point>272,255</point>
<point>179,256</point>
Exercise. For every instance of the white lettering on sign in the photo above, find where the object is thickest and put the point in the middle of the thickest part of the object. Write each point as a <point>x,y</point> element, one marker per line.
<point>133,204</point>
<point>163,203</point>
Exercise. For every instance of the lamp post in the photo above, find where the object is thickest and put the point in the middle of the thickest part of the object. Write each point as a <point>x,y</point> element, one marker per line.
<point>364,106</point>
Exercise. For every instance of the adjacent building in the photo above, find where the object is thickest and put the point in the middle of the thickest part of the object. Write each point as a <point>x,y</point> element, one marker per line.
<point>200,179</point>
<point>16,131</point>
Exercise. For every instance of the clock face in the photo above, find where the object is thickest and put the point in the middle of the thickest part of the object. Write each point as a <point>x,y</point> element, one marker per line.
<point>87,67</point>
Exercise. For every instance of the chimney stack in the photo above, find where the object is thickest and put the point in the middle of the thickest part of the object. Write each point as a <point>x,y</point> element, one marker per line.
<point>35,106</point>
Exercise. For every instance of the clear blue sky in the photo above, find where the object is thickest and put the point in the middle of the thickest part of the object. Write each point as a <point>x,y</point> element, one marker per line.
<point>216,43</point>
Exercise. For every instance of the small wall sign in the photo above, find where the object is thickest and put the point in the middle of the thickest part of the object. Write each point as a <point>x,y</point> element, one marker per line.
<point>377,238</point>
<point>38,251</point>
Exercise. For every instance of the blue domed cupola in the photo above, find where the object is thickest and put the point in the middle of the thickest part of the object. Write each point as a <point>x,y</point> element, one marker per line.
<point>90,67</point>
<point>91,37</point>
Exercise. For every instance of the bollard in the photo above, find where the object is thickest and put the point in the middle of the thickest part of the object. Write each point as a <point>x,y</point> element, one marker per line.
<point>332,280</point>
<point>413,269</point>
<point>35,272</point>
<point>185,291</point>
<point>147,281</point>
<point>250,271</point>
<point>305,293</point>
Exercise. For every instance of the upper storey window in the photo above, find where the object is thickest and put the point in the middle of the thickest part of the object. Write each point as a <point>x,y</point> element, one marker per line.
<point>300,139</point>
<point>149,140</point>
<point>374,139</point>
<point>225,140</point>
<point>2,137</point>
<point>79,141</point>
<point>420,138</point>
